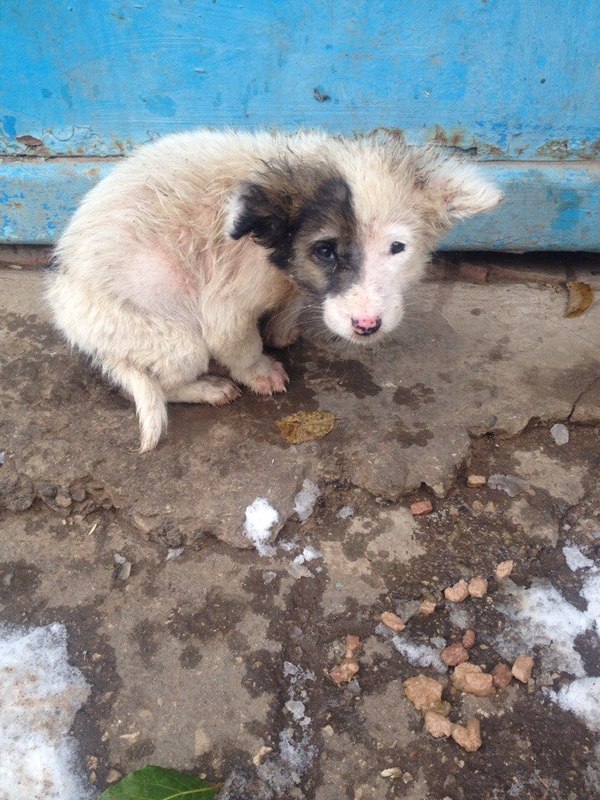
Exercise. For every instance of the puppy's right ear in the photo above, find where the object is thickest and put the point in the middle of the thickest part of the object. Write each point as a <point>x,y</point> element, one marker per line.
<point>261,212</point>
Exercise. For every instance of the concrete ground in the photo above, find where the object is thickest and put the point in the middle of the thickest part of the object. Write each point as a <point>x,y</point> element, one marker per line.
<point>207,652</point>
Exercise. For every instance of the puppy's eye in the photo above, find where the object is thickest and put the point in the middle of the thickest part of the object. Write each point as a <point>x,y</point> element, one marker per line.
<point>397,247</point>
<point>325,251</point>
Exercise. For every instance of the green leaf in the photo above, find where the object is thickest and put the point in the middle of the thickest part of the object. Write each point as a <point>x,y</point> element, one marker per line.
<point>157,783</point>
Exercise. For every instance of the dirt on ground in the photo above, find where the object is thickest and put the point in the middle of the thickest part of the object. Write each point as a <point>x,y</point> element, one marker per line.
<point>204,655</point>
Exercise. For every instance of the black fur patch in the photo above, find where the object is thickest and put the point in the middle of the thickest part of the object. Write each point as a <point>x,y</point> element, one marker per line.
<point>287,208</point>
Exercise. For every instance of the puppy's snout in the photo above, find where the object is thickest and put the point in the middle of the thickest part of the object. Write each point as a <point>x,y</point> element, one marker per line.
<point>365,326</point>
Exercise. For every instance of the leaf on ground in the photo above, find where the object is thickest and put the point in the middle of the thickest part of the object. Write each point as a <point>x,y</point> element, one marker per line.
<point>581,297</point>
<point>157,783</point>
<point>305,426</point>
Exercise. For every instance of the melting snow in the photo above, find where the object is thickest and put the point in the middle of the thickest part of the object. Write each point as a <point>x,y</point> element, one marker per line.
<point>306,498</point>
<point>40,695</point>
<point>582,697</point>
<point>575,558</point>
<point>261,518</point>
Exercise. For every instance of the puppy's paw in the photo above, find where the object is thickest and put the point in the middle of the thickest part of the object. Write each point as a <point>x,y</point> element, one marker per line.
<point>267,377</point>
<point>220,391</point>
<point>282,338</point>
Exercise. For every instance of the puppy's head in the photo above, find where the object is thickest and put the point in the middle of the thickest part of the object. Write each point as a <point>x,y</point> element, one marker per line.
<point>356,227</point>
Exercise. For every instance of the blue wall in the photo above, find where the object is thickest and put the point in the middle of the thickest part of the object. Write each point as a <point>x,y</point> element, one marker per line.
<point>506,80</point>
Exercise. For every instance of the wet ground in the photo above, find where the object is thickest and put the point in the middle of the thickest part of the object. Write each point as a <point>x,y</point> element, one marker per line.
<point>207,652</point>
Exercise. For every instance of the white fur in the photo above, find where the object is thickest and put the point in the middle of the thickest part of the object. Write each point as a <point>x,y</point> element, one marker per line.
<point>150,284</point>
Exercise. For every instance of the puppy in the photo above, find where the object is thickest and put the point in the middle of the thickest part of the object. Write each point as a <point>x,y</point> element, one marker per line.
<point>176,255</point>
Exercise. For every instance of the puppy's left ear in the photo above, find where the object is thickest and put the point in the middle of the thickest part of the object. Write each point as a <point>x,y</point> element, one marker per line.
<point>260,211</point>
<point>452,188</point>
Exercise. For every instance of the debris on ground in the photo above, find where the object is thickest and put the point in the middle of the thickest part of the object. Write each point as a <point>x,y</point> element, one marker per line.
<point>504,569</point>
<point>581,297</point>
<point>468,638</point>
<point>478,587</point>
<point>560,433</point>
<point>454,654</point>
<point>424,693</point>
<point>393,621</point>
<point>510,484</point>
<point>261,518</point>
<point>437,724</point>
<point>468,736</point>
<point>427,607</point>
<point>421,507</point>
<point>391,772</point>
<point>476,481</point>
<point>522,668</point>
<point>502,675</point>
<point>122,569</point>
<point>348,667</point>
<point>458,592</point>
<point>305,500</point>
<point>306,426</point>
<point>471,679</point>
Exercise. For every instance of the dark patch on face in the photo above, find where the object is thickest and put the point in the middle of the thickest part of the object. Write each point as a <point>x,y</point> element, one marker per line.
<point>286,210</point>
<point>413,396</point>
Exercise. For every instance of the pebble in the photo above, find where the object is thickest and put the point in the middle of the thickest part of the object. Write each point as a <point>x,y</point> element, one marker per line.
<point>458,592</point>
<point>522,668</point>
<point>261,755</point>
<point>468,736</point>
<point>454,654</point>
<point>113,776</point>
<point>426,607</point>
<point>421,507</point>
<point>78,495</point>
<point>560,433</point>
<point>468,639</point>
<point>471,679</point>
<point>349,667</point>
<point>501,675</point>
<point>437,724</point>
<point>62,499</point>
<point>476,481</point>
<point>504,569</point>
<point>510,484</point>
<point>423,692</point>
<point>391,772</point>
<point>393,621</point>
<point>478,586</point>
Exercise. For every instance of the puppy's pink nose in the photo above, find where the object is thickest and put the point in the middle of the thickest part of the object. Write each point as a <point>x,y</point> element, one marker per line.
<point>365,326</point>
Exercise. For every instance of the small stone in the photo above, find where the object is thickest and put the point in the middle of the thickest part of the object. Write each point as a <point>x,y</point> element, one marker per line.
<point>421,507</point>
<point>437,725</point>
<point>468,736</point>
<point>406,777</point>
<point>328,731</point>
<point>426,608</point>
<point>458,592</point>
<point>501,675</point>
<point>560,433</point>
<point>202,742</point>
<point>504,569</point>
<point>522,668</point>
<point>78,495</point>
<point>113,776</point>
<point>478,586</point>
<point>261,755</point>
<point>352,645</point>
<point>391,772</point>
<point>423,692</point>
<point>468,639</point>
<point>393,621</point>
<point>344,672</point>
<point>48,490</point>
<point>454,654</point>
<point>62,499</point>
<point>476,481</point>
<point>471,679</point>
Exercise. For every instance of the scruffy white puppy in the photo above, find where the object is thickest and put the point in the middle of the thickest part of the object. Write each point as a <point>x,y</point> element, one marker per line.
<point>177,255</point>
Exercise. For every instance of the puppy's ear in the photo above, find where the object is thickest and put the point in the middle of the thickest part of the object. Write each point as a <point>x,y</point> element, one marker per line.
<point>451,187</point>
<point>263,212</point>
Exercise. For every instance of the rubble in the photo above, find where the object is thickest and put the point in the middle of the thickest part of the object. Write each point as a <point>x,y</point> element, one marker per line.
<point>458,592</point>
<point>522,668</point>
<point>478,587</point>
<point>348,667</point>
<point>437,724</point>
<point>427,607</point>
<point>393,621</point>
<point>504,569</point>
<point>454,654</point>
<point>468,736</point>
<point>476,481</point>
<point>468,639</point>
<point>471,679</point>
<point>501,675</point>
<point>421,507</point>
<point>424,693</point>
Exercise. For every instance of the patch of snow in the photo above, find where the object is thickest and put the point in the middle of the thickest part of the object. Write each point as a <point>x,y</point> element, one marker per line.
<point>419,655</point>
<point>560,433</point>
<point>575,558</point>
<point>310,553</point>
<point>296,709</point>
<point>345,512</point>
<point>173,552</point>
<point>304,504</point>
<point>261,518</point>
<point>507,483</point>
<point>582,697</point>
<point>41,693</point>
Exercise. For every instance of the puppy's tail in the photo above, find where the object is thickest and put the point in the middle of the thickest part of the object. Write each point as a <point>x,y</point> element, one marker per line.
<point>149,399</point>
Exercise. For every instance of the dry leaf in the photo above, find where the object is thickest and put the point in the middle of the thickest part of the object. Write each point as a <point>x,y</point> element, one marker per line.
<point>581,297</point>
<point>305,426</point>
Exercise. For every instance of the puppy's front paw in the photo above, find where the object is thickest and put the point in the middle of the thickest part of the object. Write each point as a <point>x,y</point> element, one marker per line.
<point>267,376</point>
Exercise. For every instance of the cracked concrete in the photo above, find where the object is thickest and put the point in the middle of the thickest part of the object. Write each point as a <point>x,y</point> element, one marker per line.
<point>187,658</point>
